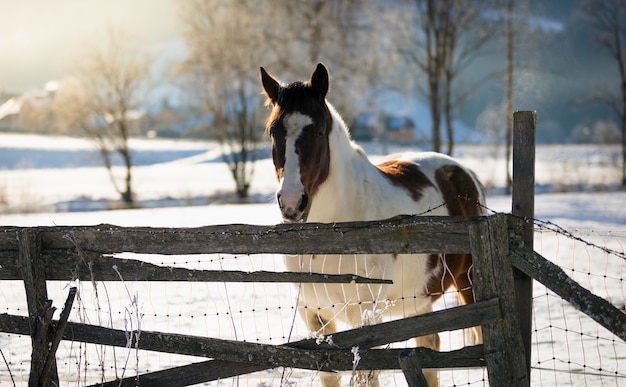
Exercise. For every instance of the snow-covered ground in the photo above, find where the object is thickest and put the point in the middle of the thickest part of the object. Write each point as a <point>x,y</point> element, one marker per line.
<point>42,173</point>
<point>568,348</point>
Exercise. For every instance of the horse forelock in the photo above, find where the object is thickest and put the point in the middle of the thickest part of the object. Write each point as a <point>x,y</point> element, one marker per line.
<point>310,133</point>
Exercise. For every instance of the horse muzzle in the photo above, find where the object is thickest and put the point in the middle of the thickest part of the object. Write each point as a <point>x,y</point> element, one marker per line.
<point>293,208</point>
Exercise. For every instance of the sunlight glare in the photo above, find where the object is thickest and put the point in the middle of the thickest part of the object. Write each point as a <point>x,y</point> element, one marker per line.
<point>23,38</point>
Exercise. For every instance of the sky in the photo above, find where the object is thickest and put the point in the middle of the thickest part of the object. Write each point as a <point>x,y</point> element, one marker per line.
<point>39,39</point>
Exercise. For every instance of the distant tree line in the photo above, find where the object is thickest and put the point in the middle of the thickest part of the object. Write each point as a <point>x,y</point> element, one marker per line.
<point>421,49</point>
<point>608,19</point>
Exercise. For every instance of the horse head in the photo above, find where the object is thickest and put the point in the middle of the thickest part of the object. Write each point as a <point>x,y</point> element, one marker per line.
<point>299,125</point>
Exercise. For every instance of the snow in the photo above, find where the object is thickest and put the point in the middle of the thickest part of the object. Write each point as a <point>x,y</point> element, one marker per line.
<point>568,348</point>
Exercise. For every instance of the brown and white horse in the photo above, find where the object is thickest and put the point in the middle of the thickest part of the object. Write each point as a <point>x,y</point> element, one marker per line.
<point>325,177</point>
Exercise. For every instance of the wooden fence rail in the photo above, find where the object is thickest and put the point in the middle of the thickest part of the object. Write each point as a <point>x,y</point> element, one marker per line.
<point>67,250</point>
<point>495,241</point>
<point>66,253</point>
<point>403,234</point>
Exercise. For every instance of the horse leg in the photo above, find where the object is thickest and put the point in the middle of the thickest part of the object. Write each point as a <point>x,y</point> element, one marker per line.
<point>428,341</point>
<point>316,324</point>
<point>467,297</point>
<point>355,317</point>
<point>463,283</point>
<point>359,316</point>
<point>457,272</point>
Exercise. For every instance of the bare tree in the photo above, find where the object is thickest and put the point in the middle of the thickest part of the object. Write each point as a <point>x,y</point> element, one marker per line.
<point>71,108</point>
<point>510,65</point>
<point>450,37</point>
<point>518,43</point>
<point>229,40</point>
<point>608,18</point>
<point>221,75</point>
<point>352,38</point>
<point>100,99</point>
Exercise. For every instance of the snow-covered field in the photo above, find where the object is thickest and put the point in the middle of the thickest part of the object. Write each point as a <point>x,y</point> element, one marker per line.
<point>40,173</point>
<point>568,348</point>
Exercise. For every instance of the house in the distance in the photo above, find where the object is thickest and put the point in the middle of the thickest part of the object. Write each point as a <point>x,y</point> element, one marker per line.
<point>29,112</point>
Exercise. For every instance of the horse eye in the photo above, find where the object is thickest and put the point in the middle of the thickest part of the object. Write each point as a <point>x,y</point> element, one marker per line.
<point>274,132</point>
<point>320,133</point>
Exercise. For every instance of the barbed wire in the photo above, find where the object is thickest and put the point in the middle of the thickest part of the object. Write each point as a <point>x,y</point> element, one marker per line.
<point>546,225</point>
<point>551,226</point>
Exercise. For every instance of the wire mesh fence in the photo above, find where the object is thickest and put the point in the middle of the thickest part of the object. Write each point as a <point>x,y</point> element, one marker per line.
<point>568,348</point>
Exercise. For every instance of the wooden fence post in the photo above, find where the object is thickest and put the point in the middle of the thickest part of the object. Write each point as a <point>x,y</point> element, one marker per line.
<point>523,203</point>
<point>493,275</point>
<point>412,369</point>
<point>40,309</point>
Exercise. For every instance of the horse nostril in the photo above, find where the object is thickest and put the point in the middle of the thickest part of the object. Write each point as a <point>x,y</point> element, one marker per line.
<point>303,202</point>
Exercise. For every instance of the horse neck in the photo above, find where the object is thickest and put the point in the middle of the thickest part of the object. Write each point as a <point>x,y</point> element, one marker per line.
<point>348,163</point>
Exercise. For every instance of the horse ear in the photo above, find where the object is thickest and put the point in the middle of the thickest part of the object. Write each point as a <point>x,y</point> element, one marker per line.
<point>319,80</point>
<point>270,86</point>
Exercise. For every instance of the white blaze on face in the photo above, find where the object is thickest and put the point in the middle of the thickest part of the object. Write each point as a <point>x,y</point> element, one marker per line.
<point>290,186</point>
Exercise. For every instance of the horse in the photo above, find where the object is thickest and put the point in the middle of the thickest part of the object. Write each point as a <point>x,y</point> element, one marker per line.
<point>324,176</point>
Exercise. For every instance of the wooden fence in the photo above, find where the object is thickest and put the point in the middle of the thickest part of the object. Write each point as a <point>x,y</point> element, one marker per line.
<point>501,245</point>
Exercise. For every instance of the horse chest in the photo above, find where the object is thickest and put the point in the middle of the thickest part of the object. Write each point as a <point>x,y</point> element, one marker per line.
<point>409,273</point>
<point>372,265</point>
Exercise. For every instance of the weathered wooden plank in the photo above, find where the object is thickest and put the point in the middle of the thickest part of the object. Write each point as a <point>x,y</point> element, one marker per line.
<point>33,270</point>
<point>555,279</point>
<point>493,276</point>
<point>229,350</point>
<point>523,194</point>
<point>364,337</point>
<point>58,335</point>
<point>187,375</point>
<point>412,369</point>
<point>40,308</point>
<point>450,319</point>
<point>63,265</point>
<point>296,355</point>
<point>10,267</point>
<point>317,356</point>
<point>405,234</point>
<point>523,206</point>
<point>381,359</point>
